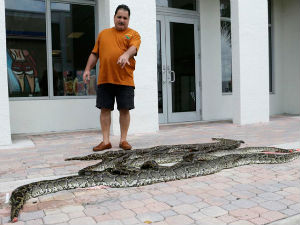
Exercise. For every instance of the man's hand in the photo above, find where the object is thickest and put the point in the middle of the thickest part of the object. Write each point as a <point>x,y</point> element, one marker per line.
<point>123,60</point>
<point>86,76</point>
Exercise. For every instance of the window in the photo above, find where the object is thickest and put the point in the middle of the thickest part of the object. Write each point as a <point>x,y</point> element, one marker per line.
<point>73,37</point>
<point>26,48</point>
<point>179,4</point>
<point>270,46</point>
<point>226,50</point>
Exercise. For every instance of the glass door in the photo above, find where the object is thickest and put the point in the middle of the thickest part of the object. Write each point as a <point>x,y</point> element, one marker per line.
<point>178,69</point>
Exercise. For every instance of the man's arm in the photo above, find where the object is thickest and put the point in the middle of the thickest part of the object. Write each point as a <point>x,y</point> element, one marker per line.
<point>124,59</point>
<point>91,63</point>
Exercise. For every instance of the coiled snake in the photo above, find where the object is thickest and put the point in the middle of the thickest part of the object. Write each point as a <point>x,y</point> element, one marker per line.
<point>144,166</point>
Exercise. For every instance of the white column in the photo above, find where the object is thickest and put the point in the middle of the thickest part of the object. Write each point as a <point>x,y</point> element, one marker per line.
<point>5,133</point>
<point>250,59</point>
<point>144,118</point>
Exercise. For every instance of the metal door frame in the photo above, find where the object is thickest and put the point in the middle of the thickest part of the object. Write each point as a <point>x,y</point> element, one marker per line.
<point>168,116</point>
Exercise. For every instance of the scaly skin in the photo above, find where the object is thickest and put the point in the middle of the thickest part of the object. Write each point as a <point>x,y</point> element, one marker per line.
<point>193,164</point>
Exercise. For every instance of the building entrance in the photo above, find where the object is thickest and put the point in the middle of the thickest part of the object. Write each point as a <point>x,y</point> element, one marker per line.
<point>178,69</point>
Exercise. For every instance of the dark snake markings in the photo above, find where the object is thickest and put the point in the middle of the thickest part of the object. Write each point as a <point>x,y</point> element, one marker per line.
<point>145,166</point>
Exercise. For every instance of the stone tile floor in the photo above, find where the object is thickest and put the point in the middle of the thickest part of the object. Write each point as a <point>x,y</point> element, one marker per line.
<point>247,195</point>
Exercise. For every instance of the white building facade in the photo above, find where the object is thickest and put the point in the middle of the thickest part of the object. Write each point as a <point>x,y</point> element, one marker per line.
<point>200,60</point>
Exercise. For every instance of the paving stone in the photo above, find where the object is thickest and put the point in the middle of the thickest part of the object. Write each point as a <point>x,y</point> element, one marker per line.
<point>165,198</point>
<point>110,222</point>
<point>259,221</point>
<point>227,218</point>
<point>185,209</point>
<point>34,222</point>
<point>57,218</point>
<point>130,221</point>
<point>244,214</point>
<point>5,219</point>
<point>52,211</point>
<point>273,205</point>
<point>140,196</point>
<point>197,216</point>
<point>295,207</point>
<point>241,222</point>
<point>64,195</point>
<point>25,216</point>
<point>244,203</point>
<point>286,201</point>
<point>201,205</point>
<point>289,212</point>
<point>189,199</point>
<point>132,204</point>
<point>241,187</point>
<point>210,221</point>
<point>273,215</point>
<point>81,221</point>
<point>294,190</point>
<point>151,216</point>
<point>122,214</point>
<point>179,219</point>
<point>174,202</point>
<point>217,201</point>
<point>72,208</point>
<point>229,207</point>
<point>243,194</point>
<point>95,211</point>
<point>168,213</point>
<point>213,211</point>
<point>17,223</point>
<point>157,206</point>
<point>270,196</point>
<point>74,215</point>
<point>269,188</point>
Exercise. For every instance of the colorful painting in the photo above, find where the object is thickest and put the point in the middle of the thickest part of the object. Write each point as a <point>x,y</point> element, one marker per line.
<point>22,73</point>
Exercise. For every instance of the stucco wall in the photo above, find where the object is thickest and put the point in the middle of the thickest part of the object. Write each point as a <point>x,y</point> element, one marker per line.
<point>286,53</point>
<point>250,57</point>
<point>144,118</point>
<point>36,116</point>
<point>215,105</point>
<point>291,55</point>
<point>42,116</point>
<point>276,98</point>
<point>5,138</point>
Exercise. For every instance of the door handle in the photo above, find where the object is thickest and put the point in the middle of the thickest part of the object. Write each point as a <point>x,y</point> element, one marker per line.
<point>173,76</point>
<point>163,74</point>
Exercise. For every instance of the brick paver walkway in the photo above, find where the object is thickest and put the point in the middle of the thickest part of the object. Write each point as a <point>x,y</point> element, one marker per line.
<point>254,194</point>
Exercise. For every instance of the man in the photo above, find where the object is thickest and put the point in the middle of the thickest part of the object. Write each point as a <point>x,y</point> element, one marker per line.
<point>115,47</point>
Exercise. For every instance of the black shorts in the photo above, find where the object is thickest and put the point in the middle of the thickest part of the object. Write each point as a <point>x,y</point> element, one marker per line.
<point>107,93</point>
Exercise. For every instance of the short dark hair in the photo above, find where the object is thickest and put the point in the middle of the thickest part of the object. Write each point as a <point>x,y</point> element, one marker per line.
<point>124,7</point>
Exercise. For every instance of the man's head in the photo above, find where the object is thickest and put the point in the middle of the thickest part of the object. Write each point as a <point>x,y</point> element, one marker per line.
<point>121,18</point>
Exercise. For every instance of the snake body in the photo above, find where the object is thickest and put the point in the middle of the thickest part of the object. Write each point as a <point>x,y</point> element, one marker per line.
<point>144,169</point>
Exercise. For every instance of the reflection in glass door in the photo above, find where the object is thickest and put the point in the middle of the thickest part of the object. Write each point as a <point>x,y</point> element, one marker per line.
<point>178,69</point>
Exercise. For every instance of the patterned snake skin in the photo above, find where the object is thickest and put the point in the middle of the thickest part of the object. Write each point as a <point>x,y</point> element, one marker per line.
<point>143,167</point>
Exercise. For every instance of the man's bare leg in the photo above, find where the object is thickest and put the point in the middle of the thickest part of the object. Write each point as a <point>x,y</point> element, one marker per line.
<point>124,123</point>
<point>105,120</point>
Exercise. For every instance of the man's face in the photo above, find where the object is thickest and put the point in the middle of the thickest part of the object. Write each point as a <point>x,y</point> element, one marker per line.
<point>121,20</point>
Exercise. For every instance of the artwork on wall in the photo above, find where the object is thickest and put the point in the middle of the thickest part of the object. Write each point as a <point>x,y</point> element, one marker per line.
<point>22,73</point>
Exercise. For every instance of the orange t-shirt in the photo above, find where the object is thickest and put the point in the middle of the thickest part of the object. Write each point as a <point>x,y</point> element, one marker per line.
<point>110,45</point>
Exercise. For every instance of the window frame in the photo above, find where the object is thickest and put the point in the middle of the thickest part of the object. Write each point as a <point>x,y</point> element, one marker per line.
<point>49,52</point>
<point>225,19</point>
<point>181,12</point>
<point>271,51</point>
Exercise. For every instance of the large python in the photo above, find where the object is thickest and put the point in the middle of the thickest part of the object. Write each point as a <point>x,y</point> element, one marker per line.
<point>142,167</point>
